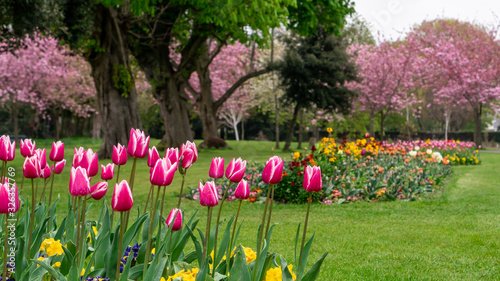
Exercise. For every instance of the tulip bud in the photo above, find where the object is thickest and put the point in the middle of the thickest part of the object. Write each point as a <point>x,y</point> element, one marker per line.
<point>119,156</point>
<point>45,172</point>
<point>27,147</point>
<point>163,172</point>
<point>79,182</point>
<point>189,154</point>
<point>242,191</point>
<point>172,154</point>
<point>7,149</point>
<point>273,171</point>
<point>138,144</point>
<point>175,216</point>
<point>79,156</point>
<point>208,194</point>
<point>363,152</point>
<point>107,171</point>
<point>122,200</point>
<point>367,136</point>
<point>93,168</point>
<point>57,152</point>
<point>312,179</point>
<point>31,167</point>
<point>236,170</point>
<point>217,168</point>
<point>9,198</point>
<point>153,156</point>
<point>98,190</point>
<point>42,157</point>
<point>59,167</point>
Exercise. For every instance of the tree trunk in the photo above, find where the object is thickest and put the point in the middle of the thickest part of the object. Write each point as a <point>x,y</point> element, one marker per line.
<point>301,129</point>
<point>291,128</point>
<point>205,101</point>
<point>477,124</point>
<point>57,131</point>
<point>447,124</point>
<point>382,117</point>
<point>242,128</point>
<point>372,122</point>
<point>96,126</point>
<point>236,134</point>
<point>118,108</point>
<point>277,120</point>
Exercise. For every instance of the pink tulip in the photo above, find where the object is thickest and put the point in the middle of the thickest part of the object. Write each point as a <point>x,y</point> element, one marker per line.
<point>57,151</point>
<point>7,149</point>
<point>41,155</point>
<point>31,167</point>
<point>107,171</point>
<point>172,154</point>
<point>79,182</point>
<point>122,200</point>
<point>273,172</point>
<point>80,156</point>
<point>27,147</point>
<point>367,136</point>
<point>9,198</point>
<point>98,190</point>
<point>312,179</point>
<point>94,163</point>
<point>153,156</point>
<point>163,172</point>
<point>45,172</point>
<point>189,154</point>
<point>138,144</point>
<point>86,159</point>
<point>217,168</point>
<point>242,191</point>
<point>177,214</point>
<point>119,155</point>
<point>236,170</point>
<point>59,167</point>
<point>208,194</point>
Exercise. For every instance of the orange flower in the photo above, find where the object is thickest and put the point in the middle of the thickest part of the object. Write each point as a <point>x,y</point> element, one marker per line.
<point>407,160</point>
<point>420,170</point>
<point>446,161</point>
<point>380,170</point>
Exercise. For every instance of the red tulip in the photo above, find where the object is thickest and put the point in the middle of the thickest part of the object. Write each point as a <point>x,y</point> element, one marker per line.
<point>367,135</point>
<point>217,168</point>
<point>98,190</point>
<point>153,156</point>
<point>273,172</point>
<point>27,147</point>
<point>7,149</point>
<point>9,198</point>
<point>208,194</point>
<point>312,179</point>
<point>41,155</point>
<point>242,191</point>
<point>119,155</point>
<point>236,170</point>
<point>107,171</point>
<point>172,154</point>
<point>59,167</point>
<point>122,200</point>
<point>138,144</point>
<point>79,182</point>
<point>163,172</point>
<point>189,154</point>
<point>31,167</point>
<point>57,151</point>
<point>177,214</point>
<point>45,172</point>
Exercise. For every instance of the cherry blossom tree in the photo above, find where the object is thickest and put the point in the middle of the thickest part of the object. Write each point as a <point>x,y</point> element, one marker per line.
<point>462,64</point>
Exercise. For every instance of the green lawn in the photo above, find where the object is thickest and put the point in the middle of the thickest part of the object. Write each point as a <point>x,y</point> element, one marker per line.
<point>451,237</point>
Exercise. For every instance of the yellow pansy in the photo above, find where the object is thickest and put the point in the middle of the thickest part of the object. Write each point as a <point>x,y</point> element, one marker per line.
<point>274,274</point>
<point>52,247</point>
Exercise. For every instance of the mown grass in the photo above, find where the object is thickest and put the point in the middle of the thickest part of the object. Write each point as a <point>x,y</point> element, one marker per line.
<point>452,236</point>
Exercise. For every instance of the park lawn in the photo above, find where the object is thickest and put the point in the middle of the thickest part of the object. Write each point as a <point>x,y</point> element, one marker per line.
<point>452,236</point>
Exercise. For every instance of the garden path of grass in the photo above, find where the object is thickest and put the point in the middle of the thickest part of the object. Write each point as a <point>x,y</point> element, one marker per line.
<point>454,236</point>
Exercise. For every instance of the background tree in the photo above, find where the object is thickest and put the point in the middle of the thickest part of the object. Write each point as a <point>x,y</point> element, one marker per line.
<point>314,72</point>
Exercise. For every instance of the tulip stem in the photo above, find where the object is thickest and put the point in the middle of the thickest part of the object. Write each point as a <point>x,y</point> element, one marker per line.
<point>43,190</point>
<point>217,224</point>
<point>162,202</point>
<point>131,182</point>
<point>309,200</point>
<point>22,183</point>
<point>78,225</point>
<point>149,195</point>
<point>32,217</point>
<point>50,196</point>
<point>112,210</point>
<point>151,223</point>
<point>261,233</point>
<point>36,189</point>
<point>118,173</point>
<point>120,242</point>
<point>182,187</point>
<point>207,235</point>
<point>160,221</point>
<point>270,209</point>
<point>83,238</point>
<point>4,274</point>
<point>232,236</point>
<point>3,171</point>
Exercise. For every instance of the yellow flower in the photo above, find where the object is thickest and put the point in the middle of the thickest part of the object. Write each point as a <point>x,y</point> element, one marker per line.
<point>40,259</point>
<point>274,274</point>
<point>329,130</point>
<point>95,233</point>
<point>250,254</point>
<point>186,275</point>
<point>83,272</point>
<point>153,251</point>
<point>57,264</point>
<point>52,247</point>
<point>296,155</point>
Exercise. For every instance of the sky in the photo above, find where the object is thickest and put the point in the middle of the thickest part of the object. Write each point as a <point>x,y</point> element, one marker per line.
<point>391,19</point>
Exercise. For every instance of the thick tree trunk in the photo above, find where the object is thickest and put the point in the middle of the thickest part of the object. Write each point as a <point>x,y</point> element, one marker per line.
<point>205,101</point>
<point>447,125</point>
<point>96,126</point>
<point>301,129</point>
<point>382,117</point>
<point>118,109</point>
<point>478,138</point>
<point>291,128</point>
